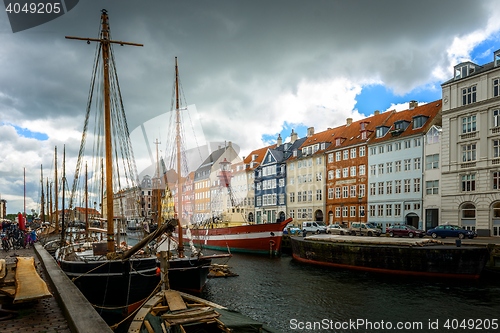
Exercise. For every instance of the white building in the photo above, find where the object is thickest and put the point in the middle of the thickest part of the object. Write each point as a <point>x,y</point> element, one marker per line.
<point>470,188</point>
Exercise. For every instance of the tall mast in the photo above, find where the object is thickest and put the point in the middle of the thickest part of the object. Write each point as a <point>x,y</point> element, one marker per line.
<point>42,199</point>
<point>180,249</point>
<point>63,228</point>
<point>86,203</point>
<point>157,185</point>
<point>105,47</point>
<point>56,204</point>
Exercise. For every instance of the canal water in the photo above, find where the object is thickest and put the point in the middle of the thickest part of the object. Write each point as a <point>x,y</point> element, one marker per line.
<point>293,297</point>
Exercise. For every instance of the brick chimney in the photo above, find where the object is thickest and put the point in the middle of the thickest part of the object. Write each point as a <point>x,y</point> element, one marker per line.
<point>310,131</point>
<point>279,141</point>
<point>293,136</point>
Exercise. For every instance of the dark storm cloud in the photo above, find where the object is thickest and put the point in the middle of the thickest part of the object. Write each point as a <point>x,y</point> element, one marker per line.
<point>236,58</point>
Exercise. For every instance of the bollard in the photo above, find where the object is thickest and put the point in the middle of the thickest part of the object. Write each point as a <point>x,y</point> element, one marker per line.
<point>458,242</point>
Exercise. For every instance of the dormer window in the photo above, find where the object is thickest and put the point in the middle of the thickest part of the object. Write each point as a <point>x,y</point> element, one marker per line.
<point>337,142</point>
<point>419,121</point>
<point>496,58</point>
<point>401,125</point>
<point>464,69</point>
<point>381,131</point>
<point>363,135</point>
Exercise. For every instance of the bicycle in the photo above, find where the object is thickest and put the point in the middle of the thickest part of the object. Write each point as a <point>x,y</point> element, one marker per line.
<point>5,241</point>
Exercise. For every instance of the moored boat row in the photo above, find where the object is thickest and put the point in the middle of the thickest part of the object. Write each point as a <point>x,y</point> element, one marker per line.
<point>402,256</point>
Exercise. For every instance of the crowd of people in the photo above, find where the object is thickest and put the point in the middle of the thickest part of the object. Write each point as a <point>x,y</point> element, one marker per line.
<point>16,237</point>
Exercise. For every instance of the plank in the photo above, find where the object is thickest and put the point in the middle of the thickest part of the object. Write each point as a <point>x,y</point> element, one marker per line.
<point>174,300</point>
<point>3,269</point>
<point>29,285</point>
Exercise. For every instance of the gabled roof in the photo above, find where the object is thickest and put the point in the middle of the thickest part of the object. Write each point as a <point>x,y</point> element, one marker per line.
<point>259,156</point>
<point>430,110</point>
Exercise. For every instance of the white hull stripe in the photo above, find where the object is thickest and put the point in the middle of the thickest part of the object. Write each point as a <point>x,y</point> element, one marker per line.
<point>252,235</point>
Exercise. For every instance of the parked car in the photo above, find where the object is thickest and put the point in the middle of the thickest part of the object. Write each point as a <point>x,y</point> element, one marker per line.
<point>405,230</point>
<point>449,230</point>
<point>291,229</point>
<point>313,226</point>
<point>337,229</point>
<point>364,229</point>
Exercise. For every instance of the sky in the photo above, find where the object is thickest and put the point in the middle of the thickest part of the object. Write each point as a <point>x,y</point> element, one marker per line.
<point>252,69</point>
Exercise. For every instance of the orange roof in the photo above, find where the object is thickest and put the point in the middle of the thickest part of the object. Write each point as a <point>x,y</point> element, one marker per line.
<point>430,110</point>
<point>259,153</point>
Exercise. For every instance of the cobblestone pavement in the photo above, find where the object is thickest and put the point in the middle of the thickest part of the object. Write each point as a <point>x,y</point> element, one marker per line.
<point>42,316</point>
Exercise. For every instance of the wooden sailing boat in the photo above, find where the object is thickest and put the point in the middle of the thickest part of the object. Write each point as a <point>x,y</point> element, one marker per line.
<point>114,280</point>
<point>187,272</point>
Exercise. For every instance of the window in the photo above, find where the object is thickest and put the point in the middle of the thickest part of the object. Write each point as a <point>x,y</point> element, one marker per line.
<point>389,147</point>
<point>380,210</point>
<point>432,187</point>
<point>309,196</point>
<point>495,87</point>
<point>419,121</point>
<point>373,151</point>
<point>398,145</point>
<point>372,188</point>
<point>345,172</point>
<point>397,210</point>
<point>372,210</point>
<point>407,165</point>
<point>299,196</point>
<point>344,211</point>
<point>381,169</point>
<point>432,162</point>
<point>416,163</point>
<point>337,193</point>
<point>389,167</point>
<point>353,171</point>
<point>496,180</point>
<point>337,156</point>
<point>388,210</point>
<point>337,211</point>
<point>388,187</point>
<point>331,174</point>
<point>362,170</point>
<point>468,183</point>
<point>468,211</point>
<point>496,146</point>
<point>496,120</point>
<point>380,188</point>
<point>407,186</point>
<point>416,185</point>
<point>353,152</point>
<point>337,173</point>
<point>468,124</point>
<point>362,190</point>
<point>362,151</point>
<point>330,193</point>
<point>469,152</point>
<point>398,166</point>
<point>381,149</point>
<point>373,170</point>
<point>397,186</point>
<point>361,210</point>
<point>468,95</point>
<point>417,142</point>
<point>353,191</point>
<point>353,211</point>
<point>304,196</point>
<point>407,144</point>
<point>346,154</point>
<point>330,158</point>
<point>345,191</point>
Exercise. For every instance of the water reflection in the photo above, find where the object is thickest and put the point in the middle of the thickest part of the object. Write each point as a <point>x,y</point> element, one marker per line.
<point>278,290</point>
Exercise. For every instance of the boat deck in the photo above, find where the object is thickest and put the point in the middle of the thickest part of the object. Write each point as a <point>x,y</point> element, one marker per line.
<point>358,240</point>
